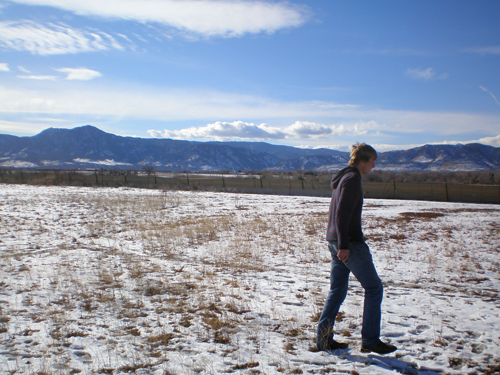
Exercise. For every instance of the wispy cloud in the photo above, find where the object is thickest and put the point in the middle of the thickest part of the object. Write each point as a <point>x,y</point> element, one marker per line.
<point>25,128</point>
<point>489,92</point>
<point>425,74</point>
<point>71,74</point>
<point>319,120</point>
<point>80,74</point>
<point>421,73</point>
<point>52,39</point>
<point>203,17</point>
<point>22,69</point>
<point>4,67</point>
<point>40,78</point>
<point>485,50</point>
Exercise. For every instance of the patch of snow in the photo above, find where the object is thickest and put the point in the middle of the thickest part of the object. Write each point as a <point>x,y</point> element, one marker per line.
<point>423,159</point>
<point>54,162</point>
<point>108,162</point>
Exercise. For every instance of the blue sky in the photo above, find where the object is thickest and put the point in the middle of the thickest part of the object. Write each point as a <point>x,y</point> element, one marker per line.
<point>395,74</point>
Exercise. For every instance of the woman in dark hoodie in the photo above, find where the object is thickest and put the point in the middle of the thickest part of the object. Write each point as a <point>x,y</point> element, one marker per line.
<point>351,254</point>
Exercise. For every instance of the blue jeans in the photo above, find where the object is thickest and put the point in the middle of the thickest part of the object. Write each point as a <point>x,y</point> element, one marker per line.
<point>360,263</point>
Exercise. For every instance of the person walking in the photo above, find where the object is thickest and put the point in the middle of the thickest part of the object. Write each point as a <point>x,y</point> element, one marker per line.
<point>349,254</point>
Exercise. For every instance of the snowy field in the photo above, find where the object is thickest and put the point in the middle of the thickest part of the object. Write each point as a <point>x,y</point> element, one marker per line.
<point>110,281</point>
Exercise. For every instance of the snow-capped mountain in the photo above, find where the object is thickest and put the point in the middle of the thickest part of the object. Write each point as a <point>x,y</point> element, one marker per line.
<point>469,157</point>
<point>88,147</point>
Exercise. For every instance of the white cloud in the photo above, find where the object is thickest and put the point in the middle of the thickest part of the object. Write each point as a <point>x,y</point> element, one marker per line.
<point>80,74</point>
<point>491,141</point>
<point>22,69</point>
<point>202,17</point>
<point>52,39</point>
<point>243,130</point>
<point>40,78</point>
<point>223,131</point>
<point>426,74</point>
<point>305,129</point>
<point>4,67</point>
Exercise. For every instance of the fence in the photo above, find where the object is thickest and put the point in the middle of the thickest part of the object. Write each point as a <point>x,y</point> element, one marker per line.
<point>443,192</point>
<point>255,184</point>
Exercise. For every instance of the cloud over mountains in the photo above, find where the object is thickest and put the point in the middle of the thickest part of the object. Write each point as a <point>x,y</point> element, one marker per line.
<point>243,130</point>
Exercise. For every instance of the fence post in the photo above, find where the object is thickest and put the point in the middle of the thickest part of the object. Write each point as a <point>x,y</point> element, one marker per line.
<point>446,190</point>
<point>223,182</point>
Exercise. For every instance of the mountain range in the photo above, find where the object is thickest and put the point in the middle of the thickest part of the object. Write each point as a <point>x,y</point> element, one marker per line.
<point>87,147</point>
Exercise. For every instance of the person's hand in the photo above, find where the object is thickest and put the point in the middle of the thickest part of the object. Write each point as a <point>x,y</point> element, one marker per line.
<point>343,254</point>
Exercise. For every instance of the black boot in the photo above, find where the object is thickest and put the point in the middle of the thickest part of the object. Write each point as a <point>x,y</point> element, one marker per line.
<point>379,348</point>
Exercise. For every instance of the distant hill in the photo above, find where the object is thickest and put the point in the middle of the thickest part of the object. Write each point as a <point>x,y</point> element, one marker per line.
<point>87,147</point>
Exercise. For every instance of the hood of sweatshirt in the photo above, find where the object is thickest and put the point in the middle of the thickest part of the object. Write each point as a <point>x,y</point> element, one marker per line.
<point>338,176</point>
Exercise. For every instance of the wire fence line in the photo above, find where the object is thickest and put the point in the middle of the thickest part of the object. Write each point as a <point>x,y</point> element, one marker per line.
<point>444,192</point>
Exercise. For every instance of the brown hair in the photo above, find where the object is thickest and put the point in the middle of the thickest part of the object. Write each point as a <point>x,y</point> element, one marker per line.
<point>361,152</point>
